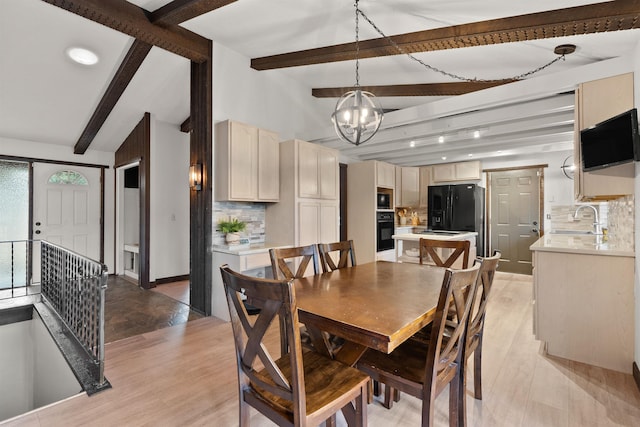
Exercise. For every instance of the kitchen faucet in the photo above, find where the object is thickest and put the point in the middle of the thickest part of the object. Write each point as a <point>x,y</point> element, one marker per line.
<point>597,228</point>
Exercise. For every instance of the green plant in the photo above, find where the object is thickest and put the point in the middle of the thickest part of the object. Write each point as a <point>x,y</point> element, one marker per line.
<point>231,226</point>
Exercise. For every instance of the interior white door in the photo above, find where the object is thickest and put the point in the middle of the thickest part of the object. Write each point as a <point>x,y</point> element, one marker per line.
<point>66,209</point>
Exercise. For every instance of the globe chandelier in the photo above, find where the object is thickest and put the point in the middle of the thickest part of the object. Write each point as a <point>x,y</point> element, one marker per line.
<point>358,114</point>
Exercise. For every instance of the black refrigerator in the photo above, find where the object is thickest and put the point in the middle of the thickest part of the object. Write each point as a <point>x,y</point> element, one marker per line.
<point>457,208</point>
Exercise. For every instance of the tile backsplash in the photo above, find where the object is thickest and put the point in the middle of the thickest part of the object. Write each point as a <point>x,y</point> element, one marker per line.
<point>615,215</point>
<point>251,213</point>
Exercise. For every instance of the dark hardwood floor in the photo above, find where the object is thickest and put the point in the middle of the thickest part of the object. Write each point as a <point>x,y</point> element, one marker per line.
<point>131,310</point>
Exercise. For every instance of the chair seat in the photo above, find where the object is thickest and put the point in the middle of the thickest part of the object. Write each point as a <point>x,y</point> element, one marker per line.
<point>325,381</point>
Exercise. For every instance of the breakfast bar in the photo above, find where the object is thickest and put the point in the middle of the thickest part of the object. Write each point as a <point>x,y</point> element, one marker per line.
<point>407,244</point>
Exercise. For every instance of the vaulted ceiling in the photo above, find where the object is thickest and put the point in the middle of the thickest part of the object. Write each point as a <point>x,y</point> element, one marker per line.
<point>44,97</point>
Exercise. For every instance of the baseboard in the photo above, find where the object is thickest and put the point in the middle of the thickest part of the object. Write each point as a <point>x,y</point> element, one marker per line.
<point>171,279</point>
<point>636,375</point>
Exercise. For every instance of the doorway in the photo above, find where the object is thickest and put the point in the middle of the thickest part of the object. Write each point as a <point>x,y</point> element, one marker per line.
<point>128,221</point>
<point>515,211</point>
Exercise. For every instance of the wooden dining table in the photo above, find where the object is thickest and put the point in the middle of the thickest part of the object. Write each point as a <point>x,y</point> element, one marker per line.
<point>375,305</point>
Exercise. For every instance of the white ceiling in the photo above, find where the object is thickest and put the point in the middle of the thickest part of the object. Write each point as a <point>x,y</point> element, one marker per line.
<point>47,98</point>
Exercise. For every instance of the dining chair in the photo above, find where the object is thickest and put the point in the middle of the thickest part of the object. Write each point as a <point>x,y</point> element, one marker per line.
<point>300,388</point>
<point>475,330</point>
<point>458,248</point>
<point>280,259</point>
<point>423,369</point>
<point>345,255</point>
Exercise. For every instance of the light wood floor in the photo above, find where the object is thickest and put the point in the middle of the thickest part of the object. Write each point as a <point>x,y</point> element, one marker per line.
<point>186,375</point>
<point>177,290</point>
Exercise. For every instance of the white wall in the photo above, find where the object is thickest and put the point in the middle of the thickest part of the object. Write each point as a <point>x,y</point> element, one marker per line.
<point>63,153</point>
<point>169,237</point>
<point>636,87</point>
<point>266,99</point>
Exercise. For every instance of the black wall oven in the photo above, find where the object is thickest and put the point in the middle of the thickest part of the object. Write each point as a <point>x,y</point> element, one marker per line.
<point>384,231</point>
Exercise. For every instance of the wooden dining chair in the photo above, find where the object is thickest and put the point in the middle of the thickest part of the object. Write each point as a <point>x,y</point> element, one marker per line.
<point>458,248</point>
<point>280,259</point>
<point>345,255</point>
<point>303,254</point>
<point>300,388</point>
<point>475,330</point>
<point>423,369</point>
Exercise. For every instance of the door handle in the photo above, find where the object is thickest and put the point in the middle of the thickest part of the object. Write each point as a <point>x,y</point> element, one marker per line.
<point>535,230</point>
<point>37,231</point>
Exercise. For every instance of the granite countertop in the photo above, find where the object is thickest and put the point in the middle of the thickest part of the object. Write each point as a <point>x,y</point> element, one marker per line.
<point>418,236</point>
<point>581,244</point>
<point>255,248</point>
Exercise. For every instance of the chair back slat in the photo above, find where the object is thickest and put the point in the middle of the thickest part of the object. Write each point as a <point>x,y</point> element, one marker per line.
<point>459,248</point>
<point>345,251</point>
<point>485,282</point>
<point>275,299</point>
<point>457,292</point>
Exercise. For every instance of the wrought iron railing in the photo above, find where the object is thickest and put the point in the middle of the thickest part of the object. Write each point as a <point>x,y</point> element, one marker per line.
<point>15,268</point>
<point>75,287</point>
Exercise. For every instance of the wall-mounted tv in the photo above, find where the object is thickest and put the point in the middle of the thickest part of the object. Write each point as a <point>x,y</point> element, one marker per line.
<point>612,142</point>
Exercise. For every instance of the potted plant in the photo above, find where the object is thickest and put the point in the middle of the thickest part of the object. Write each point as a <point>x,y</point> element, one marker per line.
<point>231,229</point>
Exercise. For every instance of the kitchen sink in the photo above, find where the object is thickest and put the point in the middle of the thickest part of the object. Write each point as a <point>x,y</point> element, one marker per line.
<point>574,232</point>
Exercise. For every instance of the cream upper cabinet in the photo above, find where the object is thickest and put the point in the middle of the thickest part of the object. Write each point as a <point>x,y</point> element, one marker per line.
<point>268,165</point>
<point>460,171</point>
<point>425,182</point>
<point>407,186</point>
<point>317,172</point>
<point>385,175</point>
<point>246,163</point>
<point>597,101</point>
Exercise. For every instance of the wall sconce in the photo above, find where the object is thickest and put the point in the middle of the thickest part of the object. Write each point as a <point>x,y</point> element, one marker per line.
<point>195,177</point>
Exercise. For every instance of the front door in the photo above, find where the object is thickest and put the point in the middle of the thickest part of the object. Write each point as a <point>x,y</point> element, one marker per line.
<point>515,216</point>
<point>66,209</point>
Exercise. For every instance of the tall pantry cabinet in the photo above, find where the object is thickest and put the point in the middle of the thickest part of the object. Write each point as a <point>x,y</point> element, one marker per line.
<point>308,211</point>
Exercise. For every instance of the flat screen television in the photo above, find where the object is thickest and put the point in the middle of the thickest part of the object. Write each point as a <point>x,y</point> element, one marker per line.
<point>612,142</point>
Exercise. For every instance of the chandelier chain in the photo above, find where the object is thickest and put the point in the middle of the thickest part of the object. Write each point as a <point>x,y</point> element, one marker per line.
<point>357,46</point>
<point>431,67</point>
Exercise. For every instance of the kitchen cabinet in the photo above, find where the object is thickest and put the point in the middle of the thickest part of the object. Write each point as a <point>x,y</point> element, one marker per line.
<point>317,166</point>
<point>425,182</point>
<point>385,175</point>
<point>583,297</point>
<point>460,171</point>
<point>247,163</point>
<point>407,187</point>
<point>308,211</point>
<point>597,101</point>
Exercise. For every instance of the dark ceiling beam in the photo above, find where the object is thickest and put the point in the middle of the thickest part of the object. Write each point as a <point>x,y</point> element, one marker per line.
<point>169,15</point>
<point>593,18</point>
<point>132,61</point>
<point>425,89</point>
<point>179,11</point>
<point>134,21</point>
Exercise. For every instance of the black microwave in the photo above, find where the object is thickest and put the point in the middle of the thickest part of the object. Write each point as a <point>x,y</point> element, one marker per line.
<point>384,201</point>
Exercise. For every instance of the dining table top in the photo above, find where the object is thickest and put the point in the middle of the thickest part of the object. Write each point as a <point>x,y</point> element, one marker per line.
<point>375,305</point>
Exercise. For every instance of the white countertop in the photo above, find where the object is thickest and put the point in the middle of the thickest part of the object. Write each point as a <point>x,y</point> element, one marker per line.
<point>250,250</point>
<point>581,244</point>
<point>418,236</point>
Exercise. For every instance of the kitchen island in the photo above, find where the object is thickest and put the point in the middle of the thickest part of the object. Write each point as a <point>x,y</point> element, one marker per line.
<point>410,242</point>
<point>583,300</point>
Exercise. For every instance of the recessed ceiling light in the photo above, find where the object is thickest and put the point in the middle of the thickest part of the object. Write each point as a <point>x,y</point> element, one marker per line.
<point>470,155</point>
<point>476,134</point>
<point>82,56</point>
<point>412,144</point>
<point>441,139</point>
<point>444,157</point>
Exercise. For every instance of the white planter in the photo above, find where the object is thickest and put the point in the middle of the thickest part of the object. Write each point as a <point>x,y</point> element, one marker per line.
<point>233,238</point>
